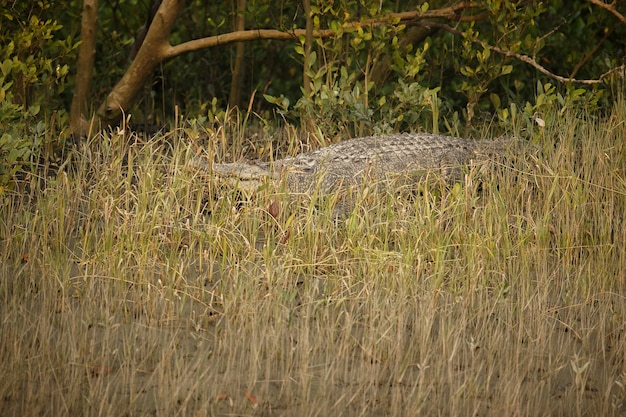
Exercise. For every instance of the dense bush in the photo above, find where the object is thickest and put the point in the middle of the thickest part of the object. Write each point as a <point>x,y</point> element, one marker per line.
<point>389,77</point>
<point>450,78</point>
<point>34,65</point>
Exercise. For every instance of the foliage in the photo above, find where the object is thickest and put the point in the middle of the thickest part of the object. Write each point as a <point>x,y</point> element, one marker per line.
<point>459,73</point>
<point>442,80</point>
<point>435,75</point>
<point>34,65</point>
<point>191,81</point>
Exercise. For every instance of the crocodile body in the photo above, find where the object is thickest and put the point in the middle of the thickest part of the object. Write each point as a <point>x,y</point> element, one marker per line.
<point>370,159</point>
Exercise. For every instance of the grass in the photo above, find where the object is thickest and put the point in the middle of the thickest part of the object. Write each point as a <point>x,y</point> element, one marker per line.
<point>130,285</point>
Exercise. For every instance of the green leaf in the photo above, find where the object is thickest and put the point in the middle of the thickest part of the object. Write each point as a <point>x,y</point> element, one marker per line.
<point>495,100</point>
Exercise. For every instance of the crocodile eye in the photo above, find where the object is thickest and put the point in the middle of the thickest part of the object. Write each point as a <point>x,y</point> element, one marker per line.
<point>304,166</point>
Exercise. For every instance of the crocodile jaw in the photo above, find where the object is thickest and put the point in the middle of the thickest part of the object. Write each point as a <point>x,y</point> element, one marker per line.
<point>245,177</point>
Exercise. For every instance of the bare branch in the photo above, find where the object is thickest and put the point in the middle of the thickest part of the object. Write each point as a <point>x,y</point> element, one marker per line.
<point>588,55</point>
<point>451,13</point>
<point>530,61</point>
<point>610,7</point>
<point>246,35</point>
<point>543,70</point>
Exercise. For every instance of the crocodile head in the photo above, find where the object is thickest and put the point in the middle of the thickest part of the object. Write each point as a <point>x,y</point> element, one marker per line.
<point>244,176</point>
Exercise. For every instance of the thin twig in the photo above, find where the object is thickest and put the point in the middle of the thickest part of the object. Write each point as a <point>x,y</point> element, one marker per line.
<point>610,7</point>
<point>530,61</point>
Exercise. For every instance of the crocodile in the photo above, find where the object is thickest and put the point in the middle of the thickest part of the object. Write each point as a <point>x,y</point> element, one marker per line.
<point>351,162</point>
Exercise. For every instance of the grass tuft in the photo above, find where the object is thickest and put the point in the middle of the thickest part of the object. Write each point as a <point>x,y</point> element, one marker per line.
<point>130,285</point>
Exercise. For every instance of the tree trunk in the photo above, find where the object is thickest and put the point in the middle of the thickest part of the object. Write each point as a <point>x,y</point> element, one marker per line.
<point>152,52</point>
<point>235,85</point>
<point>84,69</point>
<point>308,43</point>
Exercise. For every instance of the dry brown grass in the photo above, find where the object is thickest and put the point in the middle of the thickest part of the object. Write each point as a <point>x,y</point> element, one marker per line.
<point>130,286</point>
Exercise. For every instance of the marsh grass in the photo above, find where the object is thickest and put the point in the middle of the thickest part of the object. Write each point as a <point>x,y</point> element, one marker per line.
<point>131,285</point>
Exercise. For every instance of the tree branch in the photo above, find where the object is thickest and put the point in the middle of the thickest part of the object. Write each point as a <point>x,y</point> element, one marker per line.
<point>152,52</point>
<point>156,47</point>
<point>610,8</point>
<point>530,61</point>
<point>143,31</point>
<point>587,56</point>
<point>451,12</point>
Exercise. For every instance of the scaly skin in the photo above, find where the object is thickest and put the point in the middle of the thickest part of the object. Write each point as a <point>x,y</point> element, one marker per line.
<point>371,159</point>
